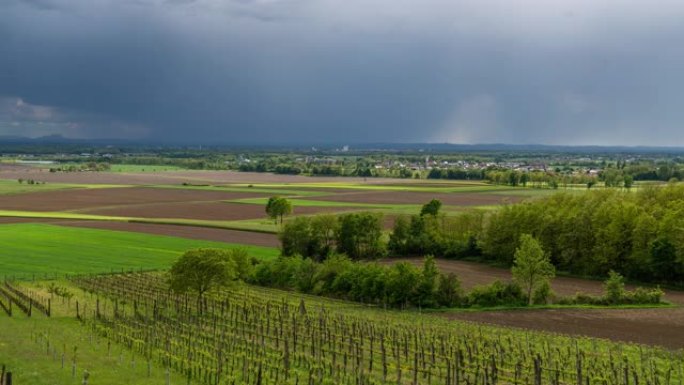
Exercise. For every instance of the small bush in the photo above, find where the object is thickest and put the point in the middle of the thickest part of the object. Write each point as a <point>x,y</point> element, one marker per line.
<point>641,295</point>
<point>614,287</point>
<point>497,294</point>
<point>542,294</point>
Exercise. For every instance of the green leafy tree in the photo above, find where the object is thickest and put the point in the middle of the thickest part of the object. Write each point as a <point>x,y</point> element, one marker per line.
<point>449,291</point>
<point>323,229</point>
<point>665,265</point>
<point>305,275</point>
<point>277,208</point>
<point>425,291</point>
<point>628,182</point>
<point>296,237</point>
<point>531,267</point>
<point>359,235</point>
<point>431,208</point>
<point>402,280</point>
<point>614,287</point>
<point>201,270</point>
<point>399,239</point>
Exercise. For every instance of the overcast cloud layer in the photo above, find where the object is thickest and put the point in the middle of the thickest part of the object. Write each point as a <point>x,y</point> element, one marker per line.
<point>288,71</point>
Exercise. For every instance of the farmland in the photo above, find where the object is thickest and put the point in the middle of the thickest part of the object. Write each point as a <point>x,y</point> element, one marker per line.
<point>44,249</point>
<point>129,327</point>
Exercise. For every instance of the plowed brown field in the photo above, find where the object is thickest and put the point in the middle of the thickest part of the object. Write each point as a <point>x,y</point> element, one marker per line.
<point>192,232</point>
<point>654,326</point>
<point>79,199</point>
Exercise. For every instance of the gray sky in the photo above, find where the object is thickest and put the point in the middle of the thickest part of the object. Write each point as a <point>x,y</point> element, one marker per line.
<point>290,71</point>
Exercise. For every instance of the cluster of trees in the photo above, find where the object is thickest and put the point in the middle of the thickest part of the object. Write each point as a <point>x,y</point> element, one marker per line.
<point>662,171</point>
<point>637,234</point>
<point>89,166</point>
<point>433,233</point>
<point>29,181</point>
<point>538,179</point>
<point>456,173</point>
<point>398,285</point>
<point>358,235</point>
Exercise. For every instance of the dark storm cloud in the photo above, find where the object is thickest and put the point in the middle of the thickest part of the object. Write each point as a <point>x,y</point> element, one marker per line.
<point>526,71</point>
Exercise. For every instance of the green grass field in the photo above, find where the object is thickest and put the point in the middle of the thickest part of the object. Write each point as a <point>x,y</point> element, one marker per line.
<point>42,249</point>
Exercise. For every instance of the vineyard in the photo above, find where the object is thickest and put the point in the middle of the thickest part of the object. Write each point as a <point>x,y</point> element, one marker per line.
<point>261,336</point>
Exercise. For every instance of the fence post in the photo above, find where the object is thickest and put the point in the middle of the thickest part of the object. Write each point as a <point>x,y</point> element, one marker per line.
<point>8,378</point>
<point>537,370</point>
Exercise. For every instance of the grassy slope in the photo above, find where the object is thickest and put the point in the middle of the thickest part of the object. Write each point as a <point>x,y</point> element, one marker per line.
<point>46,249</point>
<point>24,348</point>
<point>27,357</point>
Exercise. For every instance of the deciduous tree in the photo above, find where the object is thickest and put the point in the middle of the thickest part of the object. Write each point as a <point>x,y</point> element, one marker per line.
<point>531,268</point>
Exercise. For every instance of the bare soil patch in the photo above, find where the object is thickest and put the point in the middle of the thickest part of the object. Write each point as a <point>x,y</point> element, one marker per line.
<point>192,232</point>
<point>663,327</point>
<point>411,197</point>
<point>654,326</point>
<point>79,199</point>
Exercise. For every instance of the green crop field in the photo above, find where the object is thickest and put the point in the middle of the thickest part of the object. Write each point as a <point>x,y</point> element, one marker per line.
<point>47,249</point>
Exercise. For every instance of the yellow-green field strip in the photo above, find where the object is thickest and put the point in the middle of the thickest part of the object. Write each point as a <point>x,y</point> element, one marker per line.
<point>256,225</point>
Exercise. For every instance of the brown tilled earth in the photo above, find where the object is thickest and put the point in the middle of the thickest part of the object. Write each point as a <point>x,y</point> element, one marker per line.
<point>411,197</point>
<point>192,232</point>
<point>663,327</point>
<point>656,326</point>
<point>472,274</point>
<point>220,211</point>
<point>79,199</point>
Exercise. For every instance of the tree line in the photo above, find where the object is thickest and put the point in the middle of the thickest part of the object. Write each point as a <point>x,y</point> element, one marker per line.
<point>636,234</point>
